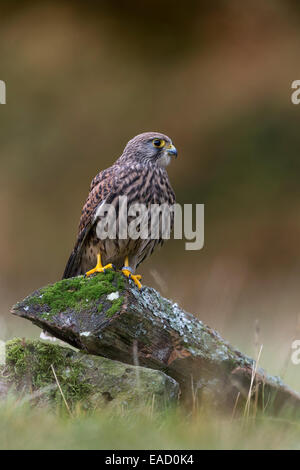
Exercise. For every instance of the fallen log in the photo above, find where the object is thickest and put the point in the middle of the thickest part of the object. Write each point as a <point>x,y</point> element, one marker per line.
<point>106,315</point>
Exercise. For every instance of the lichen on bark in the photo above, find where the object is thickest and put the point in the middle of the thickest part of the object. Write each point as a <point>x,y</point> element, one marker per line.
<point>163,336</point>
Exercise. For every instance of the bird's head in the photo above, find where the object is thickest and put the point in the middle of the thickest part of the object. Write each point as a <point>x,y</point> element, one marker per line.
<point>150,147</point>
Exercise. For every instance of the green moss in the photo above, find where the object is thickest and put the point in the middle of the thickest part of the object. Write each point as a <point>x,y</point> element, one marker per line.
<point>92,381</point>
<point>120,282</point>
<point>116,305</point>
<point>34,359</point>
<point>77,293</point>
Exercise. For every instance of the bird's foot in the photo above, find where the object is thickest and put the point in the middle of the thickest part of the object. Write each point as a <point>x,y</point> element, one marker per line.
<point>127,271</point>
<point>99,268</point>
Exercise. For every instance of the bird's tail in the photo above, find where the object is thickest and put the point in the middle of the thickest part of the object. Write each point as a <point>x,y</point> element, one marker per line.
<point>73,267</point>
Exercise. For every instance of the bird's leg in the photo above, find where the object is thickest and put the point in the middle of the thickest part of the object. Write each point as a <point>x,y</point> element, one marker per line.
<point>99,268</point>
<point>127,271</point>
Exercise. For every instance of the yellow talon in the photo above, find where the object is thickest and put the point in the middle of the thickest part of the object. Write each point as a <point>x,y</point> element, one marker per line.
<point>99,268</point>
<point>126,270</point>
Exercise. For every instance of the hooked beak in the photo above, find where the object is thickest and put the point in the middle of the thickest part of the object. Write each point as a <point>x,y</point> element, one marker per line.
<point>171,149</point>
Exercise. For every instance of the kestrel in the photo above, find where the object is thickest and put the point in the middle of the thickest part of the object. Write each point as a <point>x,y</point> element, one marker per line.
<point>140,174</point>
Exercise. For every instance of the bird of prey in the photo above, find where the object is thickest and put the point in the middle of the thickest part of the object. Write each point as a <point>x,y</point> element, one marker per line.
<point>140,174</point>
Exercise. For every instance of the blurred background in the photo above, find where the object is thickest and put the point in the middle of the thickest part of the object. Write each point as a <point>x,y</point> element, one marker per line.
<point>83,78</point>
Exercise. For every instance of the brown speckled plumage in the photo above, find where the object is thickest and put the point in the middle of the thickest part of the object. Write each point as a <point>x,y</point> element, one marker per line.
<point>137,174</point>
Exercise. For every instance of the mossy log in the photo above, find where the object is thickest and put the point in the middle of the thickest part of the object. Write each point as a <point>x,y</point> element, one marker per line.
<point>108,316</point>
<point>93,381</point>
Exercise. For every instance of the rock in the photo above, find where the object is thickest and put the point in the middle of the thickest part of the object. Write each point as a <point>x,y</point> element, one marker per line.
<point>108,316</point>
<point>93,381</point>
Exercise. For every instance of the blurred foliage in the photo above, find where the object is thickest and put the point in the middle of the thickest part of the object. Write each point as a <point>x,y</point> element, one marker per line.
<point>26,427</point>
<point>84,77</point>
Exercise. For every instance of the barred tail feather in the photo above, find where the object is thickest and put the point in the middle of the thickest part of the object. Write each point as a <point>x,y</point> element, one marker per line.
<point>72,268</point>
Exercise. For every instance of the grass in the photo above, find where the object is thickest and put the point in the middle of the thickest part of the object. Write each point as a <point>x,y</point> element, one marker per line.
<point>26,427</point>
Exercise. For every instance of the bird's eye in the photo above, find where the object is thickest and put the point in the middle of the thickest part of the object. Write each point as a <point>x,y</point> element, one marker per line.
<point>158,143</point>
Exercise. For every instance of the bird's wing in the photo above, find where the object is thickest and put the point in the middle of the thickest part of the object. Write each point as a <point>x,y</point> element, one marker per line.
<point>102,188</point>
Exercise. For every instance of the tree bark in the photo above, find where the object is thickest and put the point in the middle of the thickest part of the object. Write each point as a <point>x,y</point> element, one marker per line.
<point>142,327</point>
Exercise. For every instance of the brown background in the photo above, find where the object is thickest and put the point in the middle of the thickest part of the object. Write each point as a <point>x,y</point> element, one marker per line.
<point>216,77</point>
